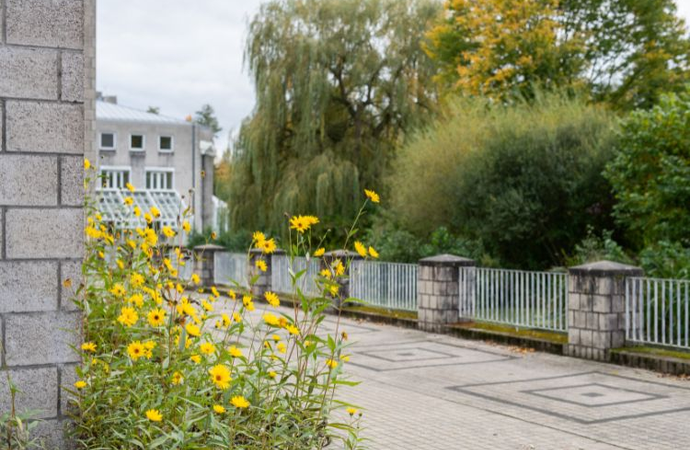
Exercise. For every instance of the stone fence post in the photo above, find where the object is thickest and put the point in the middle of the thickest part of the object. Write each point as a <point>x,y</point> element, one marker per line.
<point>204,262</point>
<point>438,291</point>
<point>596,308</point>
<point>264,282</point>
<point>346,257</point>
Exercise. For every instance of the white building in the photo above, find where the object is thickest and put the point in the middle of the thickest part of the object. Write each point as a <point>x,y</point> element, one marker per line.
<point>169,161</point>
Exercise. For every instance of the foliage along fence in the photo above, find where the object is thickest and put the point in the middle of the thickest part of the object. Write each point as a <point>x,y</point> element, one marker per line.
<point>657,311</point>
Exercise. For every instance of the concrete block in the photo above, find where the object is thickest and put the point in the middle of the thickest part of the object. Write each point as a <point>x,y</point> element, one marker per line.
<point>592,321</point>
<point>73,76</point>
<point>44,127</point>
<point>579,319</point>
<point>617,339</point>
<point>28,286</point>
<point>54,434</point>
<point>446,274</point>
<point>28,73</point>
<point>586,337</point>
<point>573,301</point>
<point>69,270</point>
<point>44,233</point>
<point>618,303</point>
<point>41,338</point>
<point>608,322</point>
<point>425,273</point>
<point>72,180</point>
<point>601,339</point>
<point>28,180</point>
<point>68,376</point>
<point>39,391</point>
<point>602,303</point>
<point>573,336</point>
<point>603,286</point>
<point>47,23</point>
<point>2,222</point>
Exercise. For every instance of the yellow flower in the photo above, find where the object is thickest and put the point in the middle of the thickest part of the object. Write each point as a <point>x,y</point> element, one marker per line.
<point>237,317</point>
<point>272,374</point>
<point>325,273</point>
<point>81,384</point>
<point>333,289</point>
<point>93,233</point>
<point>373,253</point>
<point>371,195</point>
<point>282,348</point>
<point>259,238</point>
<point>235,352</point>
<point>177,378</point>
<point>340,269</point>
<point>88,347</point>
<point>261,265</point>
<point>186,227</point>
<point>87,164</point>
<point>269,246</point>
<point>148,218</point>
<point>155,212</point>
<point>271,319</point>
<point>136,350</point>
<point>239,402</point>
<point>195,279</point>
<point>332,363</point>
<point>249,305</point>
<point>276,338</point>
<point>137,211</point>
<point>272,299</point>
<point>156,317</point>
<point>232,294</point>
<point>292,329</point>
<point>154,415</point>
<point>168,232</point>
<point>303,223</point>
<point>128,316</point>
<point>120,264</point>
<point>192,330</point>
<point>218,409</point>
<point>214,291</point>
<point>150,237</point>
<point>137,299</point>
<point>361,249</point>
<point>345,358</point>
<point>129,201</point>
<point>132,244</point>
<point>117,290</point>
<point>130,187</point>
<point>196,359</point>
<point>207,348</point>
<point>320,252</point>
<point>351,411</point>
<point>207,306</point>
<point>220,376</point>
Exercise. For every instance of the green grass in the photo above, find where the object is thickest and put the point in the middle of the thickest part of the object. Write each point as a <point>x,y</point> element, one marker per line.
<point>654,351</point>
<point>560,338</point>
<point>383,312</point>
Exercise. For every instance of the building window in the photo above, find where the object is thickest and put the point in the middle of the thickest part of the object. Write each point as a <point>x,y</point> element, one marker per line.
<point>107,141</point>
<point>165,143</point>
<point>114,178</point>
<point>136,142</point>
<point>159,179</point>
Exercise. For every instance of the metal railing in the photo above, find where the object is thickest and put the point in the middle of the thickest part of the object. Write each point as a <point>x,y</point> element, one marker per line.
<point>281,279</point>
<point>657,311</point>
<point>230,268</point>
<point>515,297</point>
<point>388,285</point>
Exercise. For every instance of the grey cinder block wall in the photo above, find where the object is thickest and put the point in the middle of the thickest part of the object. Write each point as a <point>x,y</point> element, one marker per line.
<point>47,57</point>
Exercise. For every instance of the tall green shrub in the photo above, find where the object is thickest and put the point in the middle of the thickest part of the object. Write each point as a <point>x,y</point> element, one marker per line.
<point>524,179</point>
<point>651,173</point>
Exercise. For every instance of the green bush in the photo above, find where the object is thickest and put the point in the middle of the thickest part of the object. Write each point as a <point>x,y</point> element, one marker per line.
<point>666,260</point>
<point>597,248</point>
<point>523,179</point>
<point>650,174</point>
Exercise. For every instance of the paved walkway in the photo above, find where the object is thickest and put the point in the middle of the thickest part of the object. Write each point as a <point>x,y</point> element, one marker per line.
<point>426,391</point>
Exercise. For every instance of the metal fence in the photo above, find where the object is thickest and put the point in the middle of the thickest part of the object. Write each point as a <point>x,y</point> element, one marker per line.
<point>281,278</point>
<point>230,268</point>
<point>388,285</point>
<point>515,297</point>
<point>657,311</point>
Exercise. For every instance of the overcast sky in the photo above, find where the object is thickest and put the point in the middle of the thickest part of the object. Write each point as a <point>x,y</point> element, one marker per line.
<point>180,54</point>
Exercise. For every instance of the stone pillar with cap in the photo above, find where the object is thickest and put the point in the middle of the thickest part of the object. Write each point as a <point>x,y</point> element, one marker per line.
<point>596,308</point>
<point>329,260</point>
<point>263,283</point>
<point>204,262</point>
<point>438,291</point>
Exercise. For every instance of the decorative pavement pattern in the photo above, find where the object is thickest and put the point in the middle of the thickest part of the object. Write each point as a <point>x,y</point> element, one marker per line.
<point>424,391</point>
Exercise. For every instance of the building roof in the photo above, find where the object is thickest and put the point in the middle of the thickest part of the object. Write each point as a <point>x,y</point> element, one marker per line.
<point>115,112</point>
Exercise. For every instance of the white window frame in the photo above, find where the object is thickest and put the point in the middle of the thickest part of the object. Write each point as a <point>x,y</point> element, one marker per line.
<point>143,142</point>
<point>116,169</point>
<point>172,143</point>
<point>100,140</point>
<point>160,170</point>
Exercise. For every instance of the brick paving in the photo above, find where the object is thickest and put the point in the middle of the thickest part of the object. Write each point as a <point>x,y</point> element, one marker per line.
<point>427,391</point>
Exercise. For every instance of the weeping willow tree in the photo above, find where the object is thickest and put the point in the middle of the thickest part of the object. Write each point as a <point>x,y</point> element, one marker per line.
<point>338,83</point>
